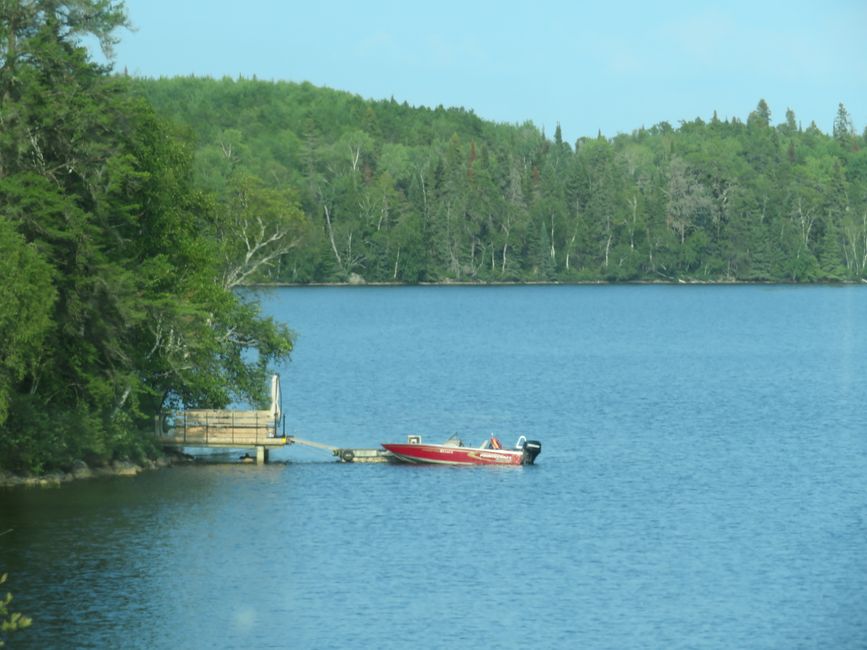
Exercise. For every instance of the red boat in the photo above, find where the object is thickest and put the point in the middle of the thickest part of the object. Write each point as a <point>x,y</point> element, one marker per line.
<point>454,452</point>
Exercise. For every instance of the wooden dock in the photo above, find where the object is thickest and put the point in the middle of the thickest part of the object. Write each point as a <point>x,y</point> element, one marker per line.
<point>259,430</point>
<point>221,428</point>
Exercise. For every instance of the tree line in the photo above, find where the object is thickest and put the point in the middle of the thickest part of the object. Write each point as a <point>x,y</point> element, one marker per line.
<point>332,187</point>
<point>115,298</point>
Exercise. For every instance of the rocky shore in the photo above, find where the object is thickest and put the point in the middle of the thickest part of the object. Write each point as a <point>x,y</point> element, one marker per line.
<point>80,470</point>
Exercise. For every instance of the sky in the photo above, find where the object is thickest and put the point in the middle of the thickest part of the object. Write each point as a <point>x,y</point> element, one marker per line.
<point>600,66</point>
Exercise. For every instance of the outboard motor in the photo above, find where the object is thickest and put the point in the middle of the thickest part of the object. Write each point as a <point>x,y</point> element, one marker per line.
<point>532,448</point>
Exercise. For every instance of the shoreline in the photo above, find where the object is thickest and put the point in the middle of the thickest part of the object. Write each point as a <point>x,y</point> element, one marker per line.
<point>556,283</point>
<point>81,471</point>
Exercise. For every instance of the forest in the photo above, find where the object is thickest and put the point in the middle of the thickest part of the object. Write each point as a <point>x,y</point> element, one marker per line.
<point>113,299</point>
<point>133,212</point>
<point>325,186</point>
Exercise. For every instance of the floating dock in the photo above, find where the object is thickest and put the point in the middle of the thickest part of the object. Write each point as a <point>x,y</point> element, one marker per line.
<point>364,455</point>
<point>346,454</point>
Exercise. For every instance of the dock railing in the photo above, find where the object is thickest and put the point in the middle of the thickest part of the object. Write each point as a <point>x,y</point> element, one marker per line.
<point>219,428</point>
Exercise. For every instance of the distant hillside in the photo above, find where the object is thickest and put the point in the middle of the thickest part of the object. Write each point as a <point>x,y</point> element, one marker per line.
<point>389,192</point>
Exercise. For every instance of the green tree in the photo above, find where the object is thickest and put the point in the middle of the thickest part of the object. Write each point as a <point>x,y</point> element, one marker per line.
<point>761,117</point>
<point>256,226</point>
<point>497,201</point>
<point>100,211</point>
<point>844,131</point>
<point>25,310</point>
<point>689,202</point>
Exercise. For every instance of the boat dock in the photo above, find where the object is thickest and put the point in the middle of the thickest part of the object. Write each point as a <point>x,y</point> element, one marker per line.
<point>259,430</point>
<point>239,429</point>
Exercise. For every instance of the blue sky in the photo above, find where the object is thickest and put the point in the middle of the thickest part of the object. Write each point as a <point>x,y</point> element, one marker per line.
<point>609,66</point>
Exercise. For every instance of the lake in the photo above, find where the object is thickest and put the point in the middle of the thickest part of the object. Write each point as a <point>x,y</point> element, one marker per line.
<point>701,485</point>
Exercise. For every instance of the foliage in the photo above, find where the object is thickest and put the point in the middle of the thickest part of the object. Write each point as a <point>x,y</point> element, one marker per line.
<point>25,310</point>
<point>395,193</point>
<point>256,226</point>
<point>111,260</point>
<point>10,621</point>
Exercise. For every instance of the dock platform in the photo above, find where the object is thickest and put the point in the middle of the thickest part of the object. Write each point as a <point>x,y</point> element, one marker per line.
<point>213,428</point>
<point>220,428</point>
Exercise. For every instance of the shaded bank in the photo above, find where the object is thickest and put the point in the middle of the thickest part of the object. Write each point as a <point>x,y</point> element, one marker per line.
<point>82,471</point>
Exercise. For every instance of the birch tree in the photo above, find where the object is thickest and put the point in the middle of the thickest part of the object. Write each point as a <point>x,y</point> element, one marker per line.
<point>258,226</point>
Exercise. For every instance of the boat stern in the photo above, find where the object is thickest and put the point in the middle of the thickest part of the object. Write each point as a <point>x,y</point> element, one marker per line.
<point>531,449</point>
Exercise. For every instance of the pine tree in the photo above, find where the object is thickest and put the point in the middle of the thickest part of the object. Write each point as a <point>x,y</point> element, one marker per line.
<point>761,117</point>
<point>844,131</point>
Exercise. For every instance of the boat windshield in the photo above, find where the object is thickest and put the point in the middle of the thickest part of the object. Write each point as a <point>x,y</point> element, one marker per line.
<point>454,441</point>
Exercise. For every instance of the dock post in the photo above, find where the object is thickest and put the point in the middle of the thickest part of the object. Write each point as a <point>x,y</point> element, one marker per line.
<point>261,455</point>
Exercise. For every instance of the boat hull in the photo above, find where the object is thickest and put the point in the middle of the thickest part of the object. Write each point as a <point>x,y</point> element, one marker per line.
<point>451,455</point>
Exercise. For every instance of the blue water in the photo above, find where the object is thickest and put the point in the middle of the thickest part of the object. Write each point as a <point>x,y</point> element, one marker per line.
<point>702,484</point>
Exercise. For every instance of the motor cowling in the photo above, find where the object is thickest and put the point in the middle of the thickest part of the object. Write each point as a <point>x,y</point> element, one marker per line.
<point>532,448</point>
